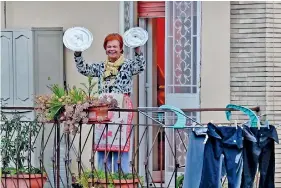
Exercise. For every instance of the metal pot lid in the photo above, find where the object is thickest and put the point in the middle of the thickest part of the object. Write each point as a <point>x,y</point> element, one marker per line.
<point>77,39</point>
<point>135,37</point>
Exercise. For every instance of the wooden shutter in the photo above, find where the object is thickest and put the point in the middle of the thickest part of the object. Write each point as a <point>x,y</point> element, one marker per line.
<point>7,90</point>
<point>23,68</point>
<point>151,9</point>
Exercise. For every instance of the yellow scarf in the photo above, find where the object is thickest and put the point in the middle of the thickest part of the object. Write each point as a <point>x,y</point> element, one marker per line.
<point>111,69</point>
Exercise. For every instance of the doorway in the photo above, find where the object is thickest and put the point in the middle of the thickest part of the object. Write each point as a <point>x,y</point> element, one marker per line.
<point>159,148</point>
<point>152,91</point>
<point>172,77</point>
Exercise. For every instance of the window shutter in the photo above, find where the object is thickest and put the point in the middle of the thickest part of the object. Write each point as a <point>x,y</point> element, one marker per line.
<point>149,9</point>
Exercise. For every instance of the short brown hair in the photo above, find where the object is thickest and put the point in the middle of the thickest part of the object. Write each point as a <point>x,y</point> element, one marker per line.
<point>113,36</point>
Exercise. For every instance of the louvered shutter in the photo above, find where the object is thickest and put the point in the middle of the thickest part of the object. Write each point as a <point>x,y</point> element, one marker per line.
<point>149,9</point>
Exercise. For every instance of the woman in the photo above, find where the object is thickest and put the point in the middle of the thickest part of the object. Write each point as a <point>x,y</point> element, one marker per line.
<point>116,72</point>
<point>115,75</point>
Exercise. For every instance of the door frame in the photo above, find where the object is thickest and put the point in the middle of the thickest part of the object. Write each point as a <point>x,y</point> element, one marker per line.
<point>145,90</point>
<point>193,100</point>
<point>146,80</point>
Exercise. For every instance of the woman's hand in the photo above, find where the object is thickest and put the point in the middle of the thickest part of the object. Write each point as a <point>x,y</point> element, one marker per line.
<point>77,53</point>
<point>138,50</point>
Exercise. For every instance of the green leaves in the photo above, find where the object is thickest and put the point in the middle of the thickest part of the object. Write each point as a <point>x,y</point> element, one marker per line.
<point>179,181</point>
<point>100,175</point>
<point>50,106</point>
<point>24,170</point>
<point>77,96</point>
<point>89,88</point>
<point>58,91</point>
<point>15,142</point>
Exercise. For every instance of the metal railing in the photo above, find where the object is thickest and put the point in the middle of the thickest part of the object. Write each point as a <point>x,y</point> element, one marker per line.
<point>38,154</point>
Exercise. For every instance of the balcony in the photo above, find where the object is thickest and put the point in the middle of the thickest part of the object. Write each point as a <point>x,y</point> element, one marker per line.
<point>36,154</point>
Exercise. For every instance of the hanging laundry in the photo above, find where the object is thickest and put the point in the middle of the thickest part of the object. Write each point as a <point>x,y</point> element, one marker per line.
<point>262,154</point>
<point>194,158</point>
<point>229,142</point>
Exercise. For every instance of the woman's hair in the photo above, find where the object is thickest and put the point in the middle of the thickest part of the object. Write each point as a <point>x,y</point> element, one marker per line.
<point>113,36</point>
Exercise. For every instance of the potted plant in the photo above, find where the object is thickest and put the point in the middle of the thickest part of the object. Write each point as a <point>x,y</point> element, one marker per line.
<point>98,111</point>
<point>116,180</point>
<point>74,106</point>
<point>15,147</point>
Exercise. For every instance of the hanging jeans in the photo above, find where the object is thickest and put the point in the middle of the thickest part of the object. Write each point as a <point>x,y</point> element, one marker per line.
<point>259,154</point>
<point>229,142</point>
<point>194,158</point>
<point>112,164</point>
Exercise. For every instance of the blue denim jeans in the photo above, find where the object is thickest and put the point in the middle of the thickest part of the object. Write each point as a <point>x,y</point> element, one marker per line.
<point>227,141</point>
<point>262,154</point>
<point>194,158</point>
<point>125,162</point>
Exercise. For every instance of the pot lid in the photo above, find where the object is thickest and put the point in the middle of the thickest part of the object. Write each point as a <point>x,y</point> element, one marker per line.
<point>77,39</point>
<point>135,37</point>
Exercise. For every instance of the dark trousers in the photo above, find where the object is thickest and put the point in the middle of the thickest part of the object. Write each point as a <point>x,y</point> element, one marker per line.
<point>259,154</point>
<point>227,141</point>
<point>195,157</point>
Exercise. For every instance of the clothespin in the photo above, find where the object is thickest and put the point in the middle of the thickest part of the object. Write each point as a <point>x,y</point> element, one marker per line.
<point>160,116</point>
<point>235,123</point>
<point>193,125</point>
<point>206,138</point>
<point>267,124</point>
<point>263,119</point>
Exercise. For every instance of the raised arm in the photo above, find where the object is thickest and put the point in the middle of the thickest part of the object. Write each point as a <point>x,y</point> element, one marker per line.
<point>139,64</point>
<point>86,69</point>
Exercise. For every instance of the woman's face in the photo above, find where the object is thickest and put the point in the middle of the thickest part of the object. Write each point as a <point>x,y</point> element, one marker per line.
<point>113,50</point>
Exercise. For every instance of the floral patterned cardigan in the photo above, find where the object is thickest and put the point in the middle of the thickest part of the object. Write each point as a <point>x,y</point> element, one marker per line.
<point>123,82</point>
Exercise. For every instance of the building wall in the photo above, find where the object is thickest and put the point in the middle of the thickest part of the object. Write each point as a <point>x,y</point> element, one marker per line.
<point>255,62</point>
<point>2,15</point>
<point>99,17</point>
<point>255,56</point>
<point>215,32</point>
<point>215,59</point>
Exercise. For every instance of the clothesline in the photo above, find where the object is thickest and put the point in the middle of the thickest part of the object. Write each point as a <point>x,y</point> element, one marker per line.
<point>157,110</point>
<point>216,152</point>
<point>147,109</point>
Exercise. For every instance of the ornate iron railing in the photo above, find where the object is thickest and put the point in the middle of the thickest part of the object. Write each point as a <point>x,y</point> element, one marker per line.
<point>85,157</point>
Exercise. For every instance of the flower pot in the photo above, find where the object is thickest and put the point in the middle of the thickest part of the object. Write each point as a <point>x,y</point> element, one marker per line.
<point>116,183</point>
<point>98,114</point>
<point>24,181</point>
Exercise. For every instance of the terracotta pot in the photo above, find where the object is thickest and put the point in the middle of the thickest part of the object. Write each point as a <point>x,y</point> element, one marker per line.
<point>115,183</point>
<point>23,181</point>
<point>98,114</point>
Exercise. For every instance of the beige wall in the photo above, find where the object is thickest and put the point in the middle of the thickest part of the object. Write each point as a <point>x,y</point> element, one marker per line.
<point>102,18</point>
<point>215,59</point>
<point>2,15</point>
<point>99,17</point>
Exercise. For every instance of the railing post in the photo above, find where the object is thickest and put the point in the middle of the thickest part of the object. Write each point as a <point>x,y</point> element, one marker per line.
<point>58,154</point>
<point>80,151</point>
